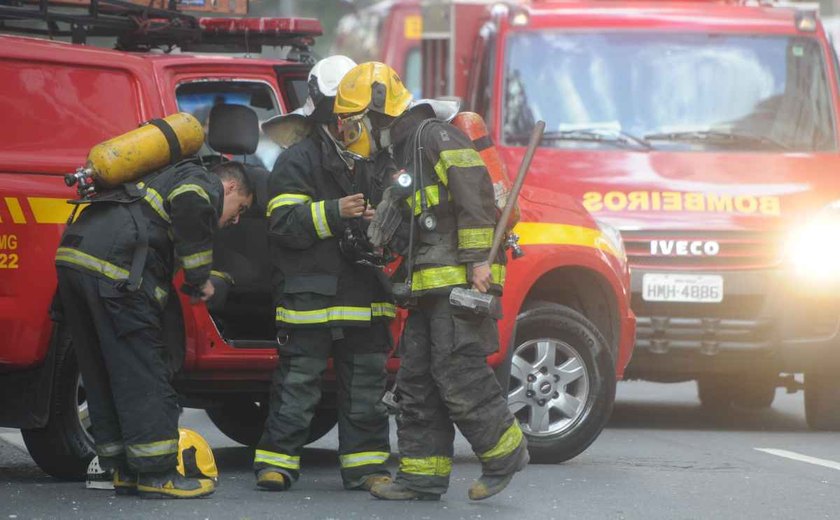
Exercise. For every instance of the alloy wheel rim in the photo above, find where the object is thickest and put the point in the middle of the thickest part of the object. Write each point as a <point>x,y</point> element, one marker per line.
<point>549,386</point>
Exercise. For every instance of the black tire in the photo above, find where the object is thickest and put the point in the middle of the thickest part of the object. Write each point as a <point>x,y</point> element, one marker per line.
<point>822,401</point>
<point>243,421</point>
<point>567,332</point>
<point>63,448</point>
<point>715,393</point>
<point>719,392</point>
<point>756,392</point>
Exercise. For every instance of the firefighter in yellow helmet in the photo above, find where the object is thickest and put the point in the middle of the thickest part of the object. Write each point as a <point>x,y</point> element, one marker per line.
<point>443,378</point>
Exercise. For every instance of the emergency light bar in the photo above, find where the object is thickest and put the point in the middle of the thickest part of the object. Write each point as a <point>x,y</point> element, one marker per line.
<point>142,27</point>
<point>204,6</point>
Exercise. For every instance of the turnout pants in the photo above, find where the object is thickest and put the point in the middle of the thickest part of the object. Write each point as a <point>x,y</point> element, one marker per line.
<point>124,365</point>
<point>359,356</point>
<point>444,378</point>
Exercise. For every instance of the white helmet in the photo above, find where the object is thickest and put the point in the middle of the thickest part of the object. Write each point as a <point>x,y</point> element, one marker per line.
<point>97,477</point>
<point>323,80</point>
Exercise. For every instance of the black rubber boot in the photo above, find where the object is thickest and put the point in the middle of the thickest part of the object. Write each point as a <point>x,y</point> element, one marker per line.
<point>172,484</point>
<point>396,491</point>
<point>125,481</point>
<point>488,485</point>
<point>366,483</point>
<point>273,480</point>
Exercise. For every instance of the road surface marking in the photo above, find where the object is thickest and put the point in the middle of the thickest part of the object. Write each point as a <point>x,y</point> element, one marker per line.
<point>801,458</point>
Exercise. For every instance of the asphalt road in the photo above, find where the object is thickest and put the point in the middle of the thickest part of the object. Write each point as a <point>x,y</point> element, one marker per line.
<point>660,458</point>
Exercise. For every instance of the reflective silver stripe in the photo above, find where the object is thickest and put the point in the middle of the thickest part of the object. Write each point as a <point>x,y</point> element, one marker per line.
<point>281,460</point>
<point>319,220</point>
<point>109,450</point>
<point>383,309</point>
<point>154,200</point>
<point>323,315</point>
<point>76,257</point>
<point>188,188</point>
<point>198,259</point>
<point>286,199</point>
<point>364,458</point>
<point>153,449</point>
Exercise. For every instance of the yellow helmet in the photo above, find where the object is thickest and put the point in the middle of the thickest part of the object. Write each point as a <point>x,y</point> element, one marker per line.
<point>372,86</point>
<point>369,87</point>
<point>195,458</point>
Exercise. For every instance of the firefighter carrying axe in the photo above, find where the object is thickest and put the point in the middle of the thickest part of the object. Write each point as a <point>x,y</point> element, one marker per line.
<point>487,304</point>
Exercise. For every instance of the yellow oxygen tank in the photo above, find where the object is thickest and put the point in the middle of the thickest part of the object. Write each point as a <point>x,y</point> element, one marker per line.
<point>127,157</point>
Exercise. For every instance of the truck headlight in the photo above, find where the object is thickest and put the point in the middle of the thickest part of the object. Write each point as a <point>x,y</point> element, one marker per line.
<point>612,237</point>
<point>814,250</point>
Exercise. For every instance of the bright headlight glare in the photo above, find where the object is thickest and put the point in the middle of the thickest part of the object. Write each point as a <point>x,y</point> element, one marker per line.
<point>613,238</point>
<point>814,251</point>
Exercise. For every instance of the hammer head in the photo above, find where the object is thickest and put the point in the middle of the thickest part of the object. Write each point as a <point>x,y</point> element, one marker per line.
<point>477,302</point>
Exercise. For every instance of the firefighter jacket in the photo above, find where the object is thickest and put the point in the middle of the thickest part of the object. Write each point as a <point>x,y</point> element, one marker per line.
<point>314,284</point>
<point>166,219</point>
<point>451,181</point>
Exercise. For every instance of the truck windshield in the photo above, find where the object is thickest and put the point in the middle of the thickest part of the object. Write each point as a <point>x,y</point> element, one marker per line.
<point>667,90</point>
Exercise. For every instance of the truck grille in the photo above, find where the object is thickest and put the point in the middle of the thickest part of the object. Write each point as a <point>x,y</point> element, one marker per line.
<point>737,250</point>
<point>662,334</point>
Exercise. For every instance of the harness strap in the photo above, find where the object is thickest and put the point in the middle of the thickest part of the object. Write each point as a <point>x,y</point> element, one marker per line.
<point>175,153</point>
<point>141,249</point>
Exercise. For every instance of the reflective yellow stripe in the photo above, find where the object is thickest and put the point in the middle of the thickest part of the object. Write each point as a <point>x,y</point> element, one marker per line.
<point>427,466</point>
<point>224,276</point>
<point>280,460</point>
<point>463,158</point>
<point>509,441</point>
<point>378,309</point>
<point>479,238</point>
<point>364,458</point>
<point>437,277</point>
<point>110,449</point>
<point>432,198</point>
<point>153,198</point>
<point>76,257</point>
<point>539,233</point>
<point>286,199</point>
<point>188,188</point>
<point>153,449</point>
<point>160,295</point>
<point>325,315</point>
<point>198,259</point>
<point>319,220</point>
<point>15,210</point>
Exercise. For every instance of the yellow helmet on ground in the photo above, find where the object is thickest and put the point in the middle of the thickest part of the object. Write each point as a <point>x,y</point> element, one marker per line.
<point>195,458</point>
<point>370,87</point>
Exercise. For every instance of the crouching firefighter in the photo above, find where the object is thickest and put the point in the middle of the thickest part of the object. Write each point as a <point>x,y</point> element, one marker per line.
<point>443,377</point>
<point>327,302</point>
<point>115,264</point>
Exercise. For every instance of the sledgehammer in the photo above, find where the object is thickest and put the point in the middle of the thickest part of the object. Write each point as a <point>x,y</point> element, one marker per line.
<point>487,304</point>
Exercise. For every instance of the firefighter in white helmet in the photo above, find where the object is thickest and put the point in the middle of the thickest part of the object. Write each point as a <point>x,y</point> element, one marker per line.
<point>329,302</point>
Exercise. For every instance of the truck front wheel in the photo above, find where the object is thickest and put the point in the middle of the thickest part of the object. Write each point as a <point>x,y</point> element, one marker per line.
<point>243,421</point>
<point>64,447</point>
<point>822,400</point>
<point>562,381</point>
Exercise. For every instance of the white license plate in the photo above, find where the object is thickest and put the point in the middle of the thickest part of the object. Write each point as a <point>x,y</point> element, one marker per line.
<point>693,288</point>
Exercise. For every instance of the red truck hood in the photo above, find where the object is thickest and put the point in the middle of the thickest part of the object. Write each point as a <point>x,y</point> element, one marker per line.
<point>681,191</point>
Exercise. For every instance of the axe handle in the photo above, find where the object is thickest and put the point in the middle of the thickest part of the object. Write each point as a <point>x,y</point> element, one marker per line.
<point>499,233</point>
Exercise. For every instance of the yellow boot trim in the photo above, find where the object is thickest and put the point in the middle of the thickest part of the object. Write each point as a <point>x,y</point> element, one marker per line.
<point>508,442</point>
<point>206,487</point>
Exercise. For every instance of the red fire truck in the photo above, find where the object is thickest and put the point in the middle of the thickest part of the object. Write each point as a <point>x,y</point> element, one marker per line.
<point>566,304</point>
<point>707,132</point>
